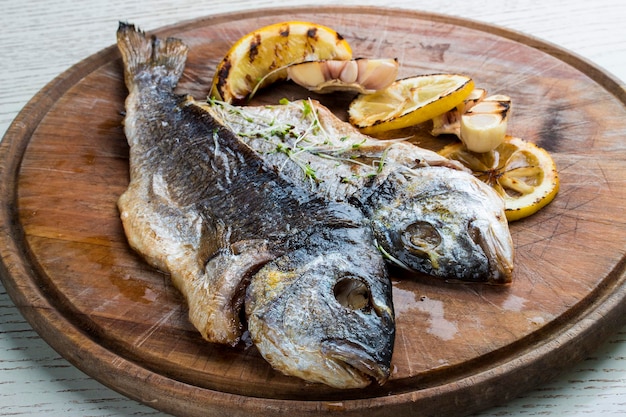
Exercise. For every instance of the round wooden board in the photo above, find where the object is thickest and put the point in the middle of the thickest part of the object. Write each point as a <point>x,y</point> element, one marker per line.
<point>459,348</point>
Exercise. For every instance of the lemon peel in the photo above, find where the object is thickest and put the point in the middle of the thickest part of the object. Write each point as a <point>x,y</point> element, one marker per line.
<point>409,101</point>
<point>261,57</point>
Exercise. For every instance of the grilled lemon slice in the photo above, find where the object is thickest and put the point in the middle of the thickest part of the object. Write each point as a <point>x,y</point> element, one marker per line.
<point>261,57</point>
<point>409,101</point>
<point>524,174</point>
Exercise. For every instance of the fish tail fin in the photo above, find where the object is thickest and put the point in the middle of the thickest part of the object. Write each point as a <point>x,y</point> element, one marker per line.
<point>149,59</point>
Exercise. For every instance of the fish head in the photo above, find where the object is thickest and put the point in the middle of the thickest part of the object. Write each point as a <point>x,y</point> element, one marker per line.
<point>443,222</point>
<point>324,317</point>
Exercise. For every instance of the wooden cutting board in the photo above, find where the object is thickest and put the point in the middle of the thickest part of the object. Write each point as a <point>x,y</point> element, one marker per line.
<point>459,348</point>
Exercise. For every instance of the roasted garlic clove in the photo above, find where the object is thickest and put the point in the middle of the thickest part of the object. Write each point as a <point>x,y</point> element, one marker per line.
<point>450,122</point>
<point>483,127</point>
<point>361,75</point>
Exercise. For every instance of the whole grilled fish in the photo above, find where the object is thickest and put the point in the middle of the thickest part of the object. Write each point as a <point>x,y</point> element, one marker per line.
<point>428,214</point>
<point>237,236</point>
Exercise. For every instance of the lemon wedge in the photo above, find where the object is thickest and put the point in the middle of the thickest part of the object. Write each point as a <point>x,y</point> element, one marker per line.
<point>409,101</point>
<point>524,174</point>
<point>260,57</point>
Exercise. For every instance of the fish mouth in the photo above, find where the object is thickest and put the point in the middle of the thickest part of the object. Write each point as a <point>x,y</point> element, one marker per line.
<point>356,357</point>
<point>497,245</point>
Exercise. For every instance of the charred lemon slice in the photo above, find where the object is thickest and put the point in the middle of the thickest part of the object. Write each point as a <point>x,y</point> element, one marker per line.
<point>409,101</point>
<point>524,174</point>
<point>261,57</point>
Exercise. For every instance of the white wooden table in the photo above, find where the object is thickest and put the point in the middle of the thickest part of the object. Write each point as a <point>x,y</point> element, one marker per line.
<point>41,38</point>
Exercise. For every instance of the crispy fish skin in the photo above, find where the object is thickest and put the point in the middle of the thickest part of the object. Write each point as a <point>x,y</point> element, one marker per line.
<point>428,214</point>
<point>314,341</point>
<point>204,207</point>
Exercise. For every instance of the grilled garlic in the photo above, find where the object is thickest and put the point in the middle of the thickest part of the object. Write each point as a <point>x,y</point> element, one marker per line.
<point>480,122</point>
<point>450,122</point>
<point>483,127</point>
<point>361,75</point>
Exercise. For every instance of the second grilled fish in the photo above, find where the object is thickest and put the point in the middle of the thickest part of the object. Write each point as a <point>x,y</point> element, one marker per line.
<point>428,214</point>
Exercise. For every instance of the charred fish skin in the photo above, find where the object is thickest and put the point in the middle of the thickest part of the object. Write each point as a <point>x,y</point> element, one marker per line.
<point>205,208</point>
<point>395,183</point>
<point>274,300</point>
<point>346,332</point>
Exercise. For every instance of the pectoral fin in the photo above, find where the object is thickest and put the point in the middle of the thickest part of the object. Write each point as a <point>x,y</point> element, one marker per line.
<point>216,298</point>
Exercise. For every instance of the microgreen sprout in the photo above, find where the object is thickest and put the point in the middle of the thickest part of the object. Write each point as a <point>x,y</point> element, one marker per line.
<point>391,257</point>
<point>302,141</point>
<point>260,80</point>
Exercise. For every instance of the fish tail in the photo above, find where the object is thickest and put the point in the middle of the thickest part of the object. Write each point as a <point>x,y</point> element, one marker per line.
<point>149,59</point>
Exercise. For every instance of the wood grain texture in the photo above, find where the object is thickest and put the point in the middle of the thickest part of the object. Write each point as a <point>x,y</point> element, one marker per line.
<point>47,161</point>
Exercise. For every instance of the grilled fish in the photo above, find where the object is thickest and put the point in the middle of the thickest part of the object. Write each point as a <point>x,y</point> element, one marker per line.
<point>236,236</point>
<point>428,214</point>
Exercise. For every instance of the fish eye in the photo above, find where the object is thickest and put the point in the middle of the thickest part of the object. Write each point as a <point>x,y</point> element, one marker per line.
<point>419,237</point>
<point>352,293</point>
